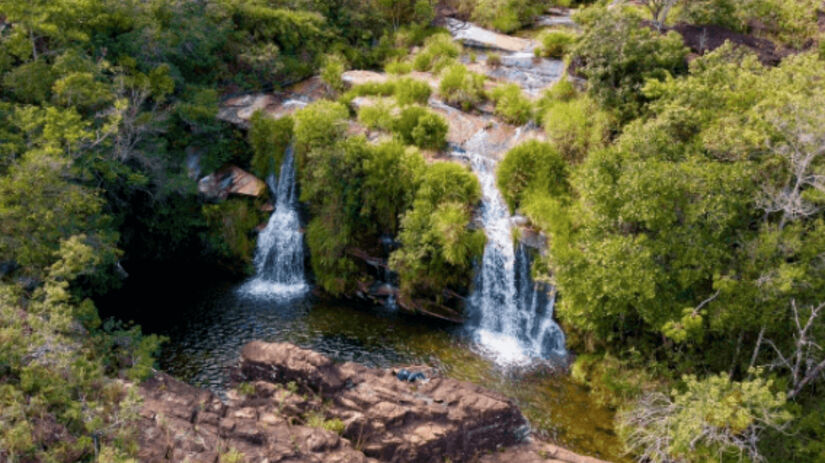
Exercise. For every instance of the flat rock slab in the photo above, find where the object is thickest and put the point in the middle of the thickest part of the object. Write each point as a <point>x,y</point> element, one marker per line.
<point>390,419</point>
<point>183,423</point>
<point>472,35</point>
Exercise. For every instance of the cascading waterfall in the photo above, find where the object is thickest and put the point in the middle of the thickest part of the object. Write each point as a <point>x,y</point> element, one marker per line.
<point>279,257</point>
<point>510,315</point>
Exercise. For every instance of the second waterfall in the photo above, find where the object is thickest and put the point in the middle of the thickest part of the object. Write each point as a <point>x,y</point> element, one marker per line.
<point>279,257</point>
<point>510,315</point>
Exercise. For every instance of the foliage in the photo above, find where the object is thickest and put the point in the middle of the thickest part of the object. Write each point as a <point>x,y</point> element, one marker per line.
<point>438,246</point>
<point>576,127</point>
<point>229,231</point>
<point>507,15</point>
<point>511,104</point>
<point>530,167</point>
<point>334,66</point>
<point>269,139</point>
<point>619,54</point>
<point>419,126</point>
<point>713,419</point>
<point>555,43</point>
<point>318,420</point>
<point>493,59</point>
<point>460,87</point>
<point>438,51</point>
<point>410,91</point>
<point>791,23</point>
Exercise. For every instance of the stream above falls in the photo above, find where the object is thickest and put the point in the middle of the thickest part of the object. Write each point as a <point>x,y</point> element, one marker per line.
<point>207,324</point>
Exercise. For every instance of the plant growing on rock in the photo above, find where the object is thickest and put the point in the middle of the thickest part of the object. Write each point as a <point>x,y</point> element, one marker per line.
<point>421,127</point>
<point>555,44</point>
<point>269,138</point>
<point>511,104</point>
<point>461,87</point>
<point>439,50</point>
<point>331,71</point>
<point>576,127</point>
<point>411,91</point>
<point>532,166</point>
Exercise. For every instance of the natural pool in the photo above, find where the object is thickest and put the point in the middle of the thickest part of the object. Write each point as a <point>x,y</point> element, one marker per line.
<point>207,328</point>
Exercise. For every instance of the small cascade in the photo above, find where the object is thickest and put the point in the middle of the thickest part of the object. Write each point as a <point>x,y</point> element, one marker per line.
<point>510,315</point>
<point>279,257</point>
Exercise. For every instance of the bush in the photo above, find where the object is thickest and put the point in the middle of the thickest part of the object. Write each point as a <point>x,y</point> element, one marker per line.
<point>493,59</point>
<point>576,127</point>
<point>556,44</point>
<point>439,50</point>
<point>511,104</point>
<point>228,231</point>
<point>619,54</point>
<point>430,132</point>
<point>269,139</point>
<point>531,166</point>
<point>438,245</point>
<point>460,87</point>
<point>421,127</point>
<point>398,67</point>
<point>331,71</point>
<point>507,15</point>
<point>377,116</point>
<point>409,91</point>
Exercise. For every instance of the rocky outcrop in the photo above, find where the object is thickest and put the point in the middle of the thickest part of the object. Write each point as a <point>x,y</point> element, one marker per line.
<point>183,423</point>
<point>474,36</point>
<point>231,180</point>
<point>238,110</point>
<point>296,405</point>
<point>394,420</point>
<point>704,39</point>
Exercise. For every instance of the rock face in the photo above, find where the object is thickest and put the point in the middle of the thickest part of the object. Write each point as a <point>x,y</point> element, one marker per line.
<point>474,36</point>
<point>297,405</point>
<point>231,180</point>
<point>395,420</point>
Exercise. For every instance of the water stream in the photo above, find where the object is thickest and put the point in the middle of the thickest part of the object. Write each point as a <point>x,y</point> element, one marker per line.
<point>509,315</point>
<point>279,257</point>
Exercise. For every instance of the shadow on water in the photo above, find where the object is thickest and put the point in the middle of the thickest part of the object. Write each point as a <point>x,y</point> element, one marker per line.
<point>207,328</point>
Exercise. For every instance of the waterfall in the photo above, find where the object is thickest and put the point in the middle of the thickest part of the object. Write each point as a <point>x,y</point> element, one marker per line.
<point>510,315</point>
<point>279,257</point>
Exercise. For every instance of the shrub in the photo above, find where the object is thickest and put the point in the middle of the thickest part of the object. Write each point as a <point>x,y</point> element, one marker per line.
<point>318,420</point>
<point>421,127</point>
<point>269,139</point>
<point>493,59</point>
<point>507,15</point>
<point>331,72</point>
<point>531,166</point>
<point>377,116</point>
<point>461,87</point>
<point>511,104</point>
<point>576,127</point>
<point>556,44</point>
<point>228,225</point>
<point>438,245</point>
<point>398,67</point>
<point>439,50</point>
<point>409,91</point>
<point>430,132</point>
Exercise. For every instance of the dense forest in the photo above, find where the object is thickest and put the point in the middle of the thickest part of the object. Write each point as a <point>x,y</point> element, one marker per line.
<point>682,194</point>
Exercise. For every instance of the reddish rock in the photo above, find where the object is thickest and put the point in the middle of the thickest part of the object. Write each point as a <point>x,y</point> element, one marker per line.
<point>231,180</point>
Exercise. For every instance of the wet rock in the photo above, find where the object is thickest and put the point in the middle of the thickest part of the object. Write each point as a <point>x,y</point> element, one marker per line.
<point>231,180</point>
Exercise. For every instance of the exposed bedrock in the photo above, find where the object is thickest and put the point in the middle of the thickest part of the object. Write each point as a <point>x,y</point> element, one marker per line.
<point>296,405</point>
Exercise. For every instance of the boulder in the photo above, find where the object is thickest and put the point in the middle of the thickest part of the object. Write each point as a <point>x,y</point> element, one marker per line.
<point>474,36</point>
<point>231,180</point>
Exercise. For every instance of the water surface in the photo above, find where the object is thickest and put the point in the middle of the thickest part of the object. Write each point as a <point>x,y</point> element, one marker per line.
<point>207,329</point>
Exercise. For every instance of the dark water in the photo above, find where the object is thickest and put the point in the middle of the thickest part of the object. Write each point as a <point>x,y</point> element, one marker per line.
<point>207,328</point>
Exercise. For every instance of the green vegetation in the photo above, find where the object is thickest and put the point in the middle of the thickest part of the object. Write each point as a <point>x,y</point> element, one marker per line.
<point>269,139</point>
<point>576,127</point>
<point>555,43</point>
<point>460,87</point>
<point>439,51</point>
<point>438,245</point>
<point>318,420</point>
<point>619,55</point>
<point>530,168</point>
<point>507,15</point>
<point>511,104</point>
